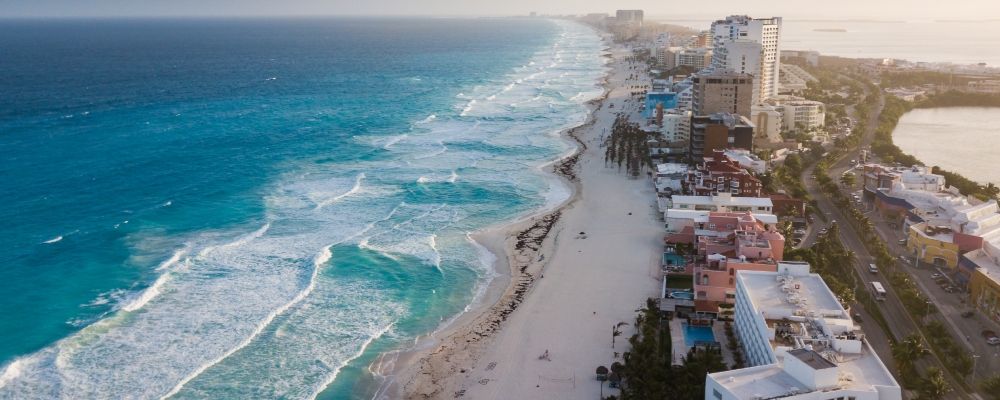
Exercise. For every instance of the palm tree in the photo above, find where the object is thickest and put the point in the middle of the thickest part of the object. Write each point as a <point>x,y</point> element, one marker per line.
<point>991,387</point>
<point>909,350</point>
<point>616,332</point>
<point>934,386</point>
<point>847,180</point>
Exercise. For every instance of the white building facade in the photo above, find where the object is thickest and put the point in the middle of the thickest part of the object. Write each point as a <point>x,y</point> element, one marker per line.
<point>676,125</point>
<point>799,342</point>
<point>736,39</point>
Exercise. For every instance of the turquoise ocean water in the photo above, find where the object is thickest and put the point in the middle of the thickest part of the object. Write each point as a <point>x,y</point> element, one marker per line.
<point>259,208</point>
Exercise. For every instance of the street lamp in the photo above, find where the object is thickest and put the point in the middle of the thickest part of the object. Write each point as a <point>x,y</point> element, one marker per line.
<point>975,358</point>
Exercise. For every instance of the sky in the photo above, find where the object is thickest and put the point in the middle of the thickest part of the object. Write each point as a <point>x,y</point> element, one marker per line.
<point>801,9</point>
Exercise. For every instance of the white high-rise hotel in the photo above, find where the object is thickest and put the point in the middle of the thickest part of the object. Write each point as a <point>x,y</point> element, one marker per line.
<point>749,45</point>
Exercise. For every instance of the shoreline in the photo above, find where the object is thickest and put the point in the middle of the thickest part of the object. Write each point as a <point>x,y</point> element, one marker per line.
<point>518,247</point>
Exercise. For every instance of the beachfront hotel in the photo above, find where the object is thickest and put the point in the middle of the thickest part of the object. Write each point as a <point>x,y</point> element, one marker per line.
<point>719,172</point>
<point>719,132</point>
<point>722,91</point>
<point>749,45</point>
<point>799,342</point>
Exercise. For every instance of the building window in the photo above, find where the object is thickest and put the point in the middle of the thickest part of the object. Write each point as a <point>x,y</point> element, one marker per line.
<point>716,394</point>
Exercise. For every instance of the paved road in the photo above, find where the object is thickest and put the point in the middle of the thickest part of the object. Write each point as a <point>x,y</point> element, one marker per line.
<point>898,319</point>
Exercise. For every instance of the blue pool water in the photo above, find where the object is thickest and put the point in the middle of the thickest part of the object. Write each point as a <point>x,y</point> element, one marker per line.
<point>682,295</point>
<point>259,208</point>
<point>694,334</point>
<point>673,259</point>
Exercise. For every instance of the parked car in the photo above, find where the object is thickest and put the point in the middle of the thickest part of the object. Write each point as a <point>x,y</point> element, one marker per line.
<point>902,242</point>
<point>857,317</point>
<point>993,341</point>
<point>951,289</point>
<point>968,314</point>
<point>936,275</point>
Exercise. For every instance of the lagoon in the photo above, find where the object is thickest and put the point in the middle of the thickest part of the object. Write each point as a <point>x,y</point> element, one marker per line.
<point>958,139</point>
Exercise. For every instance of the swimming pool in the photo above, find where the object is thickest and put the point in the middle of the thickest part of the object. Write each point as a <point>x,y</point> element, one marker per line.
<point>671,259</point>
<point>682,294</point>
<point>696,334</point>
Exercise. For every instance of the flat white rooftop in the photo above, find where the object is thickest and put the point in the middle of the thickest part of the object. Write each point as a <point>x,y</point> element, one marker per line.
<point>770,296</point>
<point>702,215</point>
<point>811,330</point>
<point>863,373</point>
<point>724,201</point>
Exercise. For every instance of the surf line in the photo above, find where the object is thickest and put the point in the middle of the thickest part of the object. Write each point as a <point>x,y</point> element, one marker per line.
<point>318,261</point>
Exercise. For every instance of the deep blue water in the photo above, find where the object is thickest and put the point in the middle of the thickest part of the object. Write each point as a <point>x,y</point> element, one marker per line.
<point>259,208</point>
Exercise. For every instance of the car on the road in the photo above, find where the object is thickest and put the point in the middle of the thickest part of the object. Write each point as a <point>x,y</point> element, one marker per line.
<point>902,242</point>
<point>857,317</point>
<point>951,289</point>
<point>872,268</point>
<point>904,259</point>
<point>936,275</point>
<point>968,314</point>
<point>822,231</point>
<point>993,341</point>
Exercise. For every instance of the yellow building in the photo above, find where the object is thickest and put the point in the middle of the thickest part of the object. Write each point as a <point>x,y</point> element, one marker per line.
<point>933,245</point>
<point>984,285</point>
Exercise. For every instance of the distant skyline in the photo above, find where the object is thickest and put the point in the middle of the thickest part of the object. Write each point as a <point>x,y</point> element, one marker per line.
<point>845,9</point>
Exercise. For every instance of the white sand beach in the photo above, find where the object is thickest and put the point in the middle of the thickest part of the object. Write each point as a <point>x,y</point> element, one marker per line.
<point>566,292</point>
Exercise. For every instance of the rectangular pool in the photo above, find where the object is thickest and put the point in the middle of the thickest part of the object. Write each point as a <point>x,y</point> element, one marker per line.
<point>696,334</point>
<point>682,294</point>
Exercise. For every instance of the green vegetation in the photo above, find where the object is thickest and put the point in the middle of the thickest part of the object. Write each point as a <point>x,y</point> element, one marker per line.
<point>906,352</point>
<point>954,98</point>
<point>967,186</point>
<point>953,355</point>
<point>890,153</point>
<point>733,345</point>
<point>882,144</point>
<point>830,259</point>
<point>917,78</point>
<point>628,145</point>
<point>991,387</point>
<point>934,387</point>
<point>647,372</point>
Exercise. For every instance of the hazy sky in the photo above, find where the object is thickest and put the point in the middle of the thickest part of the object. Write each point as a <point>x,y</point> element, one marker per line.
<point>881,9</point>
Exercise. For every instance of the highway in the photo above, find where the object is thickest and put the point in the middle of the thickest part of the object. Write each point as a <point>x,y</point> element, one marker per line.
<point>900,322</point>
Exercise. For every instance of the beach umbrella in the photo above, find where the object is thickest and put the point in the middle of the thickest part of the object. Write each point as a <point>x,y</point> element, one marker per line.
<point>602,373</point>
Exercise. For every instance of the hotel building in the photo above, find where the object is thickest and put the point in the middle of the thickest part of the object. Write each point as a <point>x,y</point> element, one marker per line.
<point>722,92</point>
<point>749,45</point>
<point>799,342</point>
<point>719,132</point>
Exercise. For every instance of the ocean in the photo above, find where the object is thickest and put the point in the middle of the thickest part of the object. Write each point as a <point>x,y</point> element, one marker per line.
<point>260,208</point>
<point>960,42</point>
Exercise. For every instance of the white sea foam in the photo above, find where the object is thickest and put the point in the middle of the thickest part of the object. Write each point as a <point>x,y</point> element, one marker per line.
<point>53,240</point>
<point>318,261</point>
<point>468,108</point>
<point>146,295</point>
<point>254,309</point>
<point>392,141</point>
<point>354,189</point>
<point>429,119</point>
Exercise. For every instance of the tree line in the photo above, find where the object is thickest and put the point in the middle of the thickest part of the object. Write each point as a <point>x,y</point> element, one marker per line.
<point>628,146</point>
